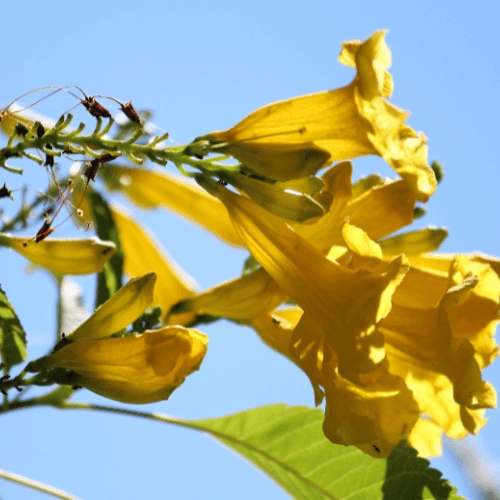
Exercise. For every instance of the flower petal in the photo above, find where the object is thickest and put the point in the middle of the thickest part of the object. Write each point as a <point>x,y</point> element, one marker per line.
<point>243,298</point>
<point>276,329</point>
<point>152,189</point>
<point>124,307</point>
<point>374,417</point>
<point>64,256</point>
<point>144,254</point>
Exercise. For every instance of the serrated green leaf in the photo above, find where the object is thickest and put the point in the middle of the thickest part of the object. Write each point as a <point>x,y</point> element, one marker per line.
<point>12,336</point>
<point>110,279</point>
<point>409,477</point>
<point>288,444</point>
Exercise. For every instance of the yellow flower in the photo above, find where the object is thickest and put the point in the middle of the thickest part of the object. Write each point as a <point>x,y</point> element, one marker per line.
<point>438,336</point>
<point>313,281</point>
<point>373,415</point>
<point>134,369</point>
<point>440,348</point>
<point>381,209</point>
<point>396,350</point>
<point>299,136</point>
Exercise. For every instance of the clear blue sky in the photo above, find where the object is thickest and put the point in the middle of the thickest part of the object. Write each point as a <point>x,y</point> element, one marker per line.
<point>202,66</point>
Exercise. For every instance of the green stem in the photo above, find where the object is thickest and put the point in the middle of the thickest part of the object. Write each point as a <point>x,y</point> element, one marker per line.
<point>36,485</point>
<point>94,143</point>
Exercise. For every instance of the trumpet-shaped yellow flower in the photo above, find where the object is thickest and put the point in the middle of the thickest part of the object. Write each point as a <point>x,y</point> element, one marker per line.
<point>313,281</point>
<point>373,415</point>
<point>380,209</point>
<point>132,369</point>
<point>299,136</point>
<point>64,256</point>
<point>136,369</point>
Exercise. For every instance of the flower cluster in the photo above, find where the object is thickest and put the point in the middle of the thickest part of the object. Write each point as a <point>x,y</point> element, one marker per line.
<point>392,336</point>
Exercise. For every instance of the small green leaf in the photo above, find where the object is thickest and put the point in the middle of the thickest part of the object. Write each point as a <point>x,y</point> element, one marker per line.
<point>250,265</point>
<point>12,336</point>
<point>409,477</point>
<point>414,242</point>
<point>288,444</point>
<point>110,279</point>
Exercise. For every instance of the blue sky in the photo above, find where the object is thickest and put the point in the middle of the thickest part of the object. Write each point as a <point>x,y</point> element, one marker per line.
<point>203,66</point>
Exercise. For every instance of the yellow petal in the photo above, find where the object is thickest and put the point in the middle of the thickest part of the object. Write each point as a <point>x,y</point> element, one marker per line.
<point>383,209</point>
<point>379,211</point>
<point>152,189</point>
<point>243,298</point>
<point>307,348</point>
<point>374,417</point>
<point>144,254</point>
<point>371,61</point>
<point>365,253</point>
<point>426,438</point>
<point>276,329</point>
<point>282,140</point>
<point>425,334</point>
<point>326,230</point>
<point>398,144</point>
<point>135,369</point>
<point>123,308</point>
<point>435,396</point>
<point>477,318</point>
<point>64,256</point>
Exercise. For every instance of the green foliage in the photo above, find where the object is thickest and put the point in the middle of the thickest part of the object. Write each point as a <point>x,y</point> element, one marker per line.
<point>110,279</point>
<point>12,336</point>
<point>409,477</point>
<point>288,444</point>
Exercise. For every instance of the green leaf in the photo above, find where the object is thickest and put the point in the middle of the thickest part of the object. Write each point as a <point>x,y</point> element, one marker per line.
<point>12,336</point>
<point>409,477</point>
<point>110,279</point>
<point>288,444</point>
